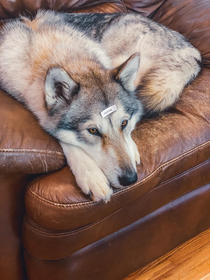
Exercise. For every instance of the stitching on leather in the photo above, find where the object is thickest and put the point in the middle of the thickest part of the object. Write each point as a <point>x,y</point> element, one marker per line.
<point>44,200</point>
<point>32,151</point>
<point>49,259</point>
<point>70,232</point>
<point>76,205</point>
<point>66,235</point>
<point>184,173</point>
<point>33,255</point>
<point>76,231</point>
<point>164,165</point>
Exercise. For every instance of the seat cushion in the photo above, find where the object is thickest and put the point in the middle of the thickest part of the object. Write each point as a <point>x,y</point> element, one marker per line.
<point>175,151</point>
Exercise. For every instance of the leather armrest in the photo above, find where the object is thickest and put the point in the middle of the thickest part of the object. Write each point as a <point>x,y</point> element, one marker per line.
<point>24,145</point>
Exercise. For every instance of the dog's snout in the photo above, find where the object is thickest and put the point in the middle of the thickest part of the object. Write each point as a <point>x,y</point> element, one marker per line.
<point>128,179</point>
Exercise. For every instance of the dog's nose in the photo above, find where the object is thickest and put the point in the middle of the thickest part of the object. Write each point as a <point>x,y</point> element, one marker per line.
<point>128,179</point>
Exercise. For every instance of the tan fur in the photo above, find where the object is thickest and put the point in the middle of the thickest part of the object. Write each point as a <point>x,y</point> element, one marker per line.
<point>164,71</point>
<point>67,79</point>
<point>32,24</point>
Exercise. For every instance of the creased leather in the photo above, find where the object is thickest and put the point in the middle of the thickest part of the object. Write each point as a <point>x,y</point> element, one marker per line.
<point>125,251</point>
<point>38,240</point>
<point>24,145</point>
<point>12,191</point>
<point>144,7</point>
<point>12,9</point>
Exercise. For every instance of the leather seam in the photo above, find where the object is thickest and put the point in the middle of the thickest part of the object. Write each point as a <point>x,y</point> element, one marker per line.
<point>54,259</point>
<point>67,235</point>
<point>84,228</point>
<point>164,165</point>
<point>185,172</point>
<point>66,206</point>
<point>32,151</point>
<point>76,205</point>
<point>70,232</point>
<point>76,231</point>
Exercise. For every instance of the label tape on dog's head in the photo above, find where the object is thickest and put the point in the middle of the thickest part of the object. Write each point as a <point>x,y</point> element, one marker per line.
<point>109,110</point>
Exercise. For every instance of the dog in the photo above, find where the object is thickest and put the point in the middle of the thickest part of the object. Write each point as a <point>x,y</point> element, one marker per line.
<point>89,78</point>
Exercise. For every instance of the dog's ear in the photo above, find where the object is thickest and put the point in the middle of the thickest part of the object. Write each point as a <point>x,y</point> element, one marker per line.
<point>59,88</point>
<point>126,73</point>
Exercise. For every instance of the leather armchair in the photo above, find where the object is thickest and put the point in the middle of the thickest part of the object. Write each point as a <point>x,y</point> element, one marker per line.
<point>49,229</point>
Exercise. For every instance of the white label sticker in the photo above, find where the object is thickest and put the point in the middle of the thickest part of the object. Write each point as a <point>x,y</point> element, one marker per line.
<point>108,111</point>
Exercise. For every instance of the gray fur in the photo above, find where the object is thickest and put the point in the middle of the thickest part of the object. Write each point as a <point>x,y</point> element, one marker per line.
<point>68,68</point>
<point>168,61</point>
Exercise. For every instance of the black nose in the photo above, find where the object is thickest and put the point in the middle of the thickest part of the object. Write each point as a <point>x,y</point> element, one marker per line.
<point>128,179</point>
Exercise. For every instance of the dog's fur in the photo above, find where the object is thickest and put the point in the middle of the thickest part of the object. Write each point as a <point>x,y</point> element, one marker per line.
<point>68,68</point>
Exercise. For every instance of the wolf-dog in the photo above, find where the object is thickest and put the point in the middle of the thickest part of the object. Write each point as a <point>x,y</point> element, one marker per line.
<point>89,78</point>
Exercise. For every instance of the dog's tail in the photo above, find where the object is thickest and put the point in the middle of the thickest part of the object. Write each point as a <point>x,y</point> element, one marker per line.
<point>163,84</point>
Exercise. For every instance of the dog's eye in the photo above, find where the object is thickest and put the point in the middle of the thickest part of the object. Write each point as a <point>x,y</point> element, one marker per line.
<point>93,131</point>
<point>124,124</point>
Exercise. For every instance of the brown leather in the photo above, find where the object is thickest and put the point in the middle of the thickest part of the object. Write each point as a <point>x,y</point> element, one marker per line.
<point>55,202</point>
<point>12,191</point>
<point>116,7</point>
<point>192,19</point>
<point>168,205</point>
<point>185,131</point>
<point>12,9</point>
<point>119,254</point>
<point>144,7</point>
<point>38,240</point>
<point>24,145</point>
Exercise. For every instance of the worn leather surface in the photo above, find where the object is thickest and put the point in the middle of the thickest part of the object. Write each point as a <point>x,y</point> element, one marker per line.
<point>144,7</point>
<point>119,254</point>
<point>12,9</point>
<point>38,240</point>
<point>12,191</point>
<point>24,145</point>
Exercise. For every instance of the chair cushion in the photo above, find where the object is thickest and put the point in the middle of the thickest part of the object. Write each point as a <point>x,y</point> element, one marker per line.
<point>24,145</point>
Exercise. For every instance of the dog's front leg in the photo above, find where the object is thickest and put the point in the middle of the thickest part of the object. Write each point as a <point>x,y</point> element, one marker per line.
<point>89,176</point>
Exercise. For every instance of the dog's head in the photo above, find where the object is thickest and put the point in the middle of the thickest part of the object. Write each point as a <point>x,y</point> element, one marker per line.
<point>97,109</point>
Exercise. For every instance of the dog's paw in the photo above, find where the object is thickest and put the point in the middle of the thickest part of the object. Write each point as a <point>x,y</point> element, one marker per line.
<point>95,183</point>
<point>88,175</point>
